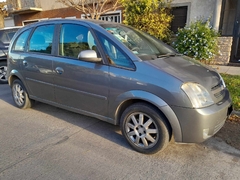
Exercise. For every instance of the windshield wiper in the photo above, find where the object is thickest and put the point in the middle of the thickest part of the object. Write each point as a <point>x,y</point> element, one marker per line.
<point>169,55</point>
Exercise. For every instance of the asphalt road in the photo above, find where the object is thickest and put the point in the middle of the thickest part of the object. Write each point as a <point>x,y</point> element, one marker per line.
<point>49,143</point>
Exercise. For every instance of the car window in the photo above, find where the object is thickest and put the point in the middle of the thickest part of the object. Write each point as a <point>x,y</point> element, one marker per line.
<point>7,35</point>
<point>74,39</point>
<point>115,56</point>
<point>41,40</point>
<point>20,43</point>
<point>4,38</point>
<point>141,44</point>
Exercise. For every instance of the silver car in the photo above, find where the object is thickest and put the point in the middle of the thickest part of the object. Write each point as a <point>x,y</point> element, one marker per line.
<point>120,75</point>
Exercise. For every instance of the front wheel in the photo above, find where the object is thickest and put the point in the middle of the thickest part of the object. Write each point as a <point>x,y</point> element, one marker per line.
<point>144,128</point>
<point>20,95</point>
<point>3,72</point>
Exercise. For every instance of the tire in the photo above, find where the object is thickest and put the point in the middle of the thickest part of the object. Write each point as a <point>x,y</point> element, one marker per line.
<point>3,72</point>
<point>144,128</point>
<point>20,95</point>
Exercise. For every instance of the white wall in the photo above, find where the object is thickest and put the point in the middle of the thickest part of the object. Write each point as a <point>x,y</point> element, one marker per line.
<point>8,22</point>
<point>198,8</point>
<point>50,4</point>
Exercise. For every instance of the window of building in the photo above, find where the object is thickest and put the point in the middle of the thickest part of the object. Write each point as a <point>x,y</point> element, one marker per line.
<point>29,22</point>
<point>41,40</point>
<point>111,17</point>
<point>180,17</point>
<point>228,13</point>
<point>115,16</point>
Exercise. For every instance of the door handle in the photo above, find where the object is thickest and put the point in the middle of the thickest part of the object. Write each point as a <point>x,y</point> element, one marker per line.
<point>59,70</point>
<point>25,63</point>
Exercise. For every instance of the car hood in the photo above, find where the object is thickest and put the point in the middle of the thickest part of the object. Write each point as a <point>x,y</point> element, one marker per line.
<point>187,70</point>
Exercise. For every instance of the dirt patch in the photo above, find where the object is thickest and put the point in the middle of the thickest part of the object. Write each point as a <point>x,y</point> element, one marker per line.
<point>230,132</point>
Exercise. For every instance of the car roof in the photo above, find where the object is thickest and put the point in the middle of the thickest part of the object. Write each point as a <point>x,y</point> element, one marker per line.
<point>88,21</point>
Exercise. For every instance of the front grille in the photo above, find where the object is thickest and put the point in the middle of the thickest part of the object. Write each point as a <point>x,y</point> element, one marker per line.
<point>219,94</point>
<point>218,91</point>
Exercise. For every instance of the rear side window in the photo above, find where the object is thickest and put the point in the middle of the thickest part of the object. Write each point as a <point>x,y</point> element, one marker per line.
<point>21,41</point>
<point>41,40</point>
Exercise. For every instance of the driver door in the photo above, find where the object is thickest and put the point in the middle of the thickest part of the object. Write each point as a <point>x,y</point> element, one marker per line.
<point>80,85</point>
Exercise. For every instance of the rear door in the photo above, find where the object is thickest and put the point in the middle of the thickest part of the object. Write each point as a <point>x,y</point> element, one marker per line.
<point>37,64</point>
<point>80,85</point>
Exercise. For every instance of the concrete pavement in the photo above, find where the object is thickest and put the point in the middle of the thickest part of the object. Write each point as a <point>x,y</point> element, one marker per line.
<point>233,70</point>
<point>46,142</point>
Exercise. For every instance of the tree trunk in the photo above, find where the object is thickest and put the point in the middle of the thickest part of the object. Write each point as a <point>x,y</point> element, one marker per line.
<point>1,20</point>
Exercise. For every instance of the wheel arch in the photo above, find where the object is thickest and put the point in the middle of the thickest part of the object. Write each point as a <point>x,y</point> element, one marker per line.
<point>14,74</point>
<point>160,105</point>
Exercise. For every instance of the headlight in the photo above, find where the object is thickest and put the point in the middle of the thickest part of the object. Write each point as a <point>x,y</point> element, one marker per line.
<point>197,94</point>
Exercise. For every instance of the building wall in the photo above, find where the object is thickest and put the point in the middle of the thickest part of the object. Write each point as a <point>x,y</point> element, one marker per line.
<point>197,8</point>
<point>225,47</point>
<point>50,5</point>
<point>55,13</point>
<point>44,4</point>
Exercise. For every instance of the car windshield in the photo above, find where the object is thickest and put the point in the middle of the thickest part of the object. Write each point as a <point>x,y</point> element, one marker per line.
<point>143,45</point>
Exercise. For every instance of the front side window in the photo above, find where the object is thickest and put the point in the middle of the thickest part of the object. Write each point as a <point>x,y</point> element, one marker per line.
<point>41,40</point>
<point>74,39</point>
<point>21,41</point>
<point>114,55</point>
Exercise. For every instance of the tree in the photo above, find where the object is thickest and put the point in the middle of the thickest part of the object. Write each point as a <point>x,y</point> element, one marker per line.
<point>3,13</point>
<point>92,9</point>
<point>151,16</point>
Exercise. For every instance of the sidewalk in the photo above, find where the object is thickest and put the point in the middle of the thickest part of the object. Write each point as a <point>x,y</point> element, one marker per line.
<point>233,70</point>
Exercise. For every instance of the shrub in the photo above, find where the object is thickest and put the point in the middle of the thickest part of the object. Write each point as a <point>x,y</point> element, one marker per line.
<point>151,16</point>
<point>198,41</point>
<point>233,85</point>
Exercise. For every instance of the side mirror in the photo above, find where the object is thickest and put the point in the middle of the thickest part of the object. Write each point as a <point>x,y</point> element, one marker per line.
<point>89,55</point>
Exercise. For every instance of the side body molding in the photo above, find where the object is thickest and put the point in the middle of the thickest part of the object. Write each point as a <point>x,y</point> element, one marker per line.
<point>154,100</point>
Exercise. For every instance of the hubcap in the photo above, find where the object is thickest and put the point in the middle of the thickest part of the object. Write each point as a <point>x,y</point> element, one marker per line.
<point>18,94</point>
<point>142,130</point>
<point>3,72</point>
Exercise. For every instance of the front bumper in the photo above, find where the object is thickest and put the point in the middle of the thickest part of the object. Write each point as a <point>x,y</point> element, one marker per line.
<point>199,124</point>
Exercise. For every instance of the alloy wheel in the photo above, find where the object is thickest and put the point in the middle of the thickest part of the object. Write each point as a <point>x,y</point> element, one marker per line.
<point>18,94</point>
<point>3,72</point>
<point>142,130</point>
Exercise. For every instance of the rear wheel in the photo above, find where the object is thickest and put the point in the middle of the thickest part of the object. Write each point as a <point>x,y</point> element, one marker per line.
<point>20,95</point>
<point>144,128</point>
<point>3,72</point>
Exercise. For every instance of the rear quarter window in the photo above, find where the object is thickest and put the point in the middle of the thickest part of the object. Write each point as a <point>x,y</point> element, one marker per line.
<point>21,41</point>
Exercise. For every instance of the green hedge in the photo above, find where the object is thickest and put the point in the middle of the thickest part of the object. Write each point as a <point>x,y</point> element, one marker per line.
<point>233,85</point>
